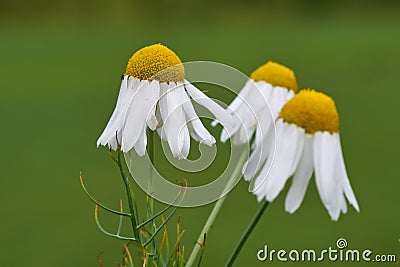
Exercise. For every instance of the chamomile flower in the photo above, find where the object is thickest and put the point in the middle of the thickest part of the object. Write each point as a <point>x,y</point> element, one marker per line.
<point>307,141</point>
<point>258,103</point>
<point>155,94</point>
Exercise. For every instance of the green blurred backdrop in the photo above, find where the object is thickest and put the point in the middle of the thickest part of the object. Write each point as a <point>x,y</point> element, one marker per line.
<point>61,63</point>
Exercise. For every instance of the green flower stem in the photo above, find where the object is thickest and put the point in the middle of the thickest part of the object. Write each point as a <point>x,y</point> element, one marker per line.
<point>197,248</point>
<point>247,233</point>
<point>150,182</point>
<point>150,151</point>
<point>130,200</point>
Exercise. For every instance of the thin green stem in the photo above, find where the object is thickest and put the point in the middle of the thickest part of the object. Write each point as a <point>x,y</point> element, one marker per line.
<point>129,195</point>
<point>98,203</point>
<point>197,248</point>
<point>150,200</point>
<point>150,151</point>
<point>159,228</point>
<point>151,219</point>
<point>247,233</point>
<point>96,217</point>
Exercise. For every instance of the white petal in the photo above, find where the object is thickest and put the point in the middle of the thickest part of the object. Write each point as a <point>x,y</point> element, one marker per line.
<point>230,132</point>
<point>259,155</point>
<point>175,120</point>
<point>197,129</point>
<point>343,205</point>
<point>162,103</point>
<point>248,114</point>
<point>324,158</point>
<point>140,146</point>
<point>301,177</point>
<point>128,92</point>
<point>163,110</point>
<point>253,164</point>
<point>259,98</point>
<point>111,128</point>
<point>288,151</point>
<point>264,127</point>
<point>238,100</point>
<point>133,83</point>
<point>247,88</point>
<point>224,135</point>
<point>342,175</point>
<point>278,98</point>
<point>220,114</point>
<point>245,134</point>
<point>151,119</point>
<point>136,116</point>
<point>186,142</point>
<point>184,131</point>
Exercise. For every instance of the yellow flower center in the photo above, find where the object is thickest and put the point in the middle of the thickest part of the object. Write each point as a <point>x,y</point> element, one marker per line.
<point>156,62</point>
<point>312,111</point>
<point>276,75</point>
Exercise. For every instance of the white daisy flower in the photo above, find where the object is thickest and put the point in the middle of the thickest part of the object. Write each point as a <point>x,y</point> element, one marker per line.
<point>258,103</point>
<point>307,141</point>
<point>155,94</point>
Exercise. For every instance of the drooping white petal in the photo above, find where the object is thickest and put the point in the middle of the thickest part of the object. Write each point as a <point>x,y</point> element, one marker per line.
<point>128,91</point>
<point>113,127</point>
<point>152,121</point>
<point>256,162</point>
<point>183,131</point>
<point>264,127</point>
<point>186,142</point>
<point>278,98</point>
<point>163,110</point>
<point>343,205</point>
<point>175,120</point>
<point>251,105</point>
<point>136,116</point>
<point>196,127</point>
<point>244,134</point>
<point>277,169</point>
<point>301,177</point>
<point>259,155</point>
<point>324,164</point>
<point>140,146</point>
<point>238,100</point>
<point>248,113</point>
<point>230,132</point>
<point>253,110</point>
<point>288,150</point>
<point>162,102</point>
<point>342,175</point>
<point>242,95</point>
<point>225,135</point>
<point>220,114</point>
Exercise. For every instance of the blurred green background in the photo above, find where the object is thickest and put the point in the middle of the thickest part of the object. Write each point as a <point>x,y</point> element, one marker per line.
<point>61,63</point>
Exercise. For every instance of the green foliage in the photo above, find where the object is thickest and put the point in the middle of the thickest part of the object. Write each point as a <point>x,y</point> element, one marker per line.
<point>144,233</point>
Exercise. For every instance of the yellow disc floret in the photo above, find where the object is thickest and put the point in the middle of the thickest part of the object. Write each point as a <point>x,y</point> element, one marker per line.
<point>275,74</point>
<point>312,111</point>
<point>156,62</point>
